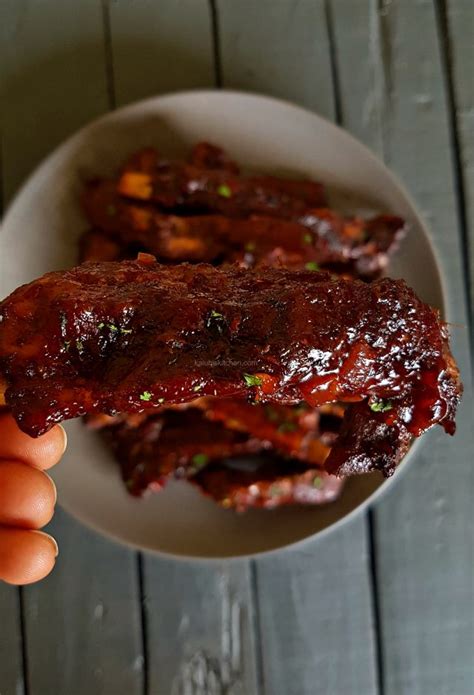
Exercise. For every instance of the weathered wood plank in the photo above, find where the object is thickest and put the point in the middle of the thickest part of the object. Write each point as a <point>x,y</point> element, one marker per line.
<point>11,667</point>
<point>277,47</point>
<point>424,526</point>
<point>160,47</point>
<point>200,628</point>
<point>199,625</point>
<point>461,44</point>
<point>82,624</point>
<point>315,638</point>
<point>316,617</point>
<point>52,81</point>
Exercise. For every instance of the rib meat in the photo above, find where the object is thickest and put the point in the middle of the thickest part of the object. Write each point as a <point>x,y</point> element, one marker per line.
<point>173,444</point>
<point>297,431</point>
<point>176,184</point>
<point>269,484</point>
<point>321,236</point>
<point>208,156</point>
<point>130,336</point>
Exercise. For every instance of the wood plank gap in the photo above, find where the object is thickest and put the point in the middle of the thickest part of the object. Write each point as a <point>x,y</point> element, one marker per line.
<point>216,45</point>
<point>24,650</point>
<point>333,62</point>
<point>257,627</point>
<point>143,623</point>
<point>369,517</point>
<point>375,600</point>
<point>109,58</point>
<point>460,193</point>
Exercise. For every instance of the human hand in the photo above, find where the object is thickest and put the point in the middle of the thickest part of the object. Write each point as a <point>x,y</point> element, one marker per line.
<point>27,500</point>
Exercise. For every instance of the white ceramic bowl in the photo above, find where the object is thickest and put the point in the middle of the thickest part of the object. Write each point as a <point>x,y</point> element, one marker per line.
<point>40,232</point>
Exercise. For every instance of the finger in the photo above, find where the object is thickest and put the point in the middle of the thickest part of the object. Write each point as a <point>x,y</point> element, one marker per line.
<point>27,495</point>
<point>25,556</point>
<point>42,452</point>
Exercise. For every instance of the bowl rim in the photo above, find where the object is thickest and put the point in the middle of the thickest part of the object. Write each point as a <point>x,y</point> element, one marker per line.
<point>340,132</point>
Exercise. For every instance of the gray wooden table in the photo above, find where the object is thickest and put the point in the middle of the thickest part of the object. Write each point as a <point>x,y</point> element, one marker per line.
<point>383,606</point>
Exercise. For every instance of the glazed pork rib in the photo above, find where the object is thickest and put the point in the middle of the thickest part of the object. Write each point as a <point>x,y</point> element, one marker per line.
<point>154,449</point>
<point>131,336</point>
<point>298,431</point>
<point>177,184</point>
<point>273,483</point>
<point>323,236</point>
<point>169,445</point>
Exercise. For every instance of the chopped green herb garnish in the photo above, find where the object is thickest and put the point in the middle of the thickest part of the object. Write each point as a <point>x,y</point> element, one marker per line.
<point>287,427</point>
<point>250,246</point>
<point>317,482</point>
<point>271,414</point>
<point>67,345</point>
<point>380,406</point>
<point>216,321</point>
<point>200,460</point>
<point>275,490</point>
<point>79,345</point>
<point>112,327</point>
<point>63,323</point>
<point>312,266</point>
<point>224,191</point>
<point>252,380</point>
<point>145,396</point>
<point>308,238</point>
<point>197,388</point>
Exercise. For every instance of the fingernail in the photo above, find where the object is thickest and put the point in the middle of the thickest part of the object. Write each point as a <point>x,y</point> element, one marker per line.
<point>52,540</point>
<point>64,436</point>
<point>55,489</point>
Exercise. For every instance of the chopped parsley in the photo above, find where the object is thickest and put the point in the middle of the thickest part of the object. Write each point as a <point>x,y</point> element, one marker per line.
<point>287,427</point>
<point>216,321</point>
<point>250,246</point>
<point>271,414</point>
<point>252,380</point>
<point>275,490</point>
<point>145,396</point>
<point>312,266</point>
<point>80,346</point>
<point>317,482</point>
<point>380,406</point>
<point>308,238</point>
<point>112,327</point>
<point>200,460</point>
<point>197,388</point>
<point>224,191</point>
